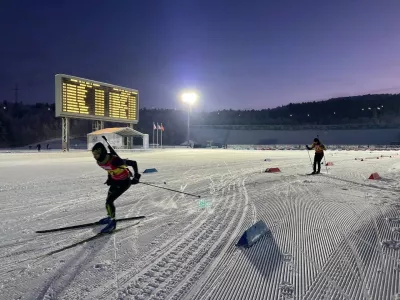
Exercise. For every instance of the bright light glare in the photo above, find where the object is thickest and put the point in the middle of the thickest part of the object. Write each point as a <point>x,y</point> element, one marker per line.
<point>189,97</point>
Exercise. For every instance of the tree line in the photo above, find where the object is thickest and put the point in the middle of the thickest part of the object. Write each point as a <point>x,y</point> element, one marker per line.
<point>22,124</point>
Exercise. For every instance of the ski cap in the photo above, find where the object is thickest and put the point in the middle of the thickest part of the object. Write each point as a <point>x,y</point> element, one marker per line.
<point>99,151</point>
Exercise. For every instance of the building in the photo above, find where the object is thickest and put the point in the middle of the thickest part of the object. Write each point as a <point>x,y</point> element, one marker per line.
<point>119,138</point>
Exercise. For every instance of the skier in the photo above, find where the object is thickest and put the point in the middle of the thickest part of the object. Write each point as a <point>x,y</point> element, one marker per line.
<point>119,180</point>
<point>319,154</point>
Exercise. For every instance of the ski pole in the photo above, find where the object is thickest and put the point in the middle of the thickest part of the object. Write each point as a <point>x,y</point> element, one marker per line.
<point>112,151</point>
<point>326,165</point>
<point>160,187</point>
<point>308,151</point>
<point>164,182</point>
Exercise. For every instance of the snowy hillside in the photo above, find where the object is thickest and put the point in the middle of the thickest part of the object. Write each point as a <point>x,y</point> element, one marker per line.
<point>333,236</point>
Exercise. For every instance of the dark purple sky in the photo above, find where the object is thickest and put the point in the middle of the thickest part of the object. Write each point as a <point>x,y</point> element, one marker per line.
<point>238,54</point>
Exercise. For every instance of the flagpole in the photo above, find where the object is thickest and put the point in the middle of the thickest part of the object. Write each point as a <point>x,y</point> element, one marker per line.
<point>153,133</point>
<point>157,134</point>
<point>161,135</point>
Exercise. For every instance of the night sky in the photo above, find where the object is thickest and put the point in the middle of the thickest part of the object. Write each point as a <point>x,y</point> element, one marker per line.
<point>237,54</point>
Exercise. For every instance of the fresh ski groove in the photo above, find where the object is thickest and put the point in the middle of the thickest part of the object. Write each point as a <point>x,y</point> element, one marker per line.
<point>204,263</point>
<point>329,233</point>
<point>152,254</point>
<point>165,262</point>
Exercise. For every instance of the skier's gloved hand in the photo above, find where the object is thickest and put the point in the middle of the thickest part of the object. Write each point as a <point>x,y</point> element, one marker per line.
<point>135,179</point>
<point>308,148</point>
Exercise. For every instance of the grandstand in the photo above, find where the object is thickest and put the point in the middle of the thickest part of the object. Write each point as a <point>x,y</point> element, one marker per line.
<point>203,134</point>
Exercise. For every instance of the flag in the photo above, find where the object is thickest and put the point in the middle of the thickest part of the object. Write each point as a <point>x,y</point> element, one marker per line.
<point>154,126</point>
<point>158,127</point>
<point>162,127</point>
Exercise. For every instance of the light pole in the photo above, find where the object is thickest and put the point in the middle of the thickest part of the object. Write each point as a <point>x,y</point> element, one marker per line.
<point>189,98</point>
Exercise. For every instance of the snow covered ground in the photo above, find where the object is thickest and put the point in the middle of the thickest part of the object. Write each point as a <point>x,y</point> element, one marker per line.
<point>333,236</point>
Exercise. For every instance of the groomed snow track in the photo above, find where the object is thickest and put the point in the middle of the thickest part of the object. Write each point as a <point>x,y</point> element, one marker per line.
<point>333,235</point>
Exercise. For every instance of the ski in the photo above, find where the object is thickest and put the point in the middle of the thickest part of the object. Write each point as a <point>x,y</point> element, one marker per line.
<point>87,225</point>
<point>38,258</point>
<point>98,235</point>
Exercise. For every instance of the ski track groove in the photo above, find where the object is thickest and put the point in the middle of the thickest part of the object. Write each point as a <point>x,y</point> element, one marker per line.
<point>194,275</point>
<point>167,236</point>
<point>321,246</point>
<point>100,281</point>
<point>220,273</point>
<point>339,236</point>
<point>125,279</point>
<point>194,260</point>
<point>213,274</point>
<point>83,259</point>
<point>319,257</point>
<point>228,189</point>
<point>12,264</point>
<point>66,239</point>
<point>361,276</point>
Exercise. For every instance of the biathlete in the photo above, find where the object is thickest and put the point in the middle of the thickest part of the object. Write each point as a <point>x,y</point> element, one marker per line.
<point>119,179</point>
<point>319,154</point>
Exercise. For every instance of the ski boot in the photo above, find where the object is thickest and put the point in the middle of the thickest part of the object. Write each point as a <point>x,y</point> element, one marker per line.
<point>110,227</point>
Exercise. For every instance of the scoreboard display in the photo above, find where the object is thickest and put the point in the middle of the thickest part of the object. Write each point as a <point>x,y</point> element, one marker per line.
<point>87,99</point>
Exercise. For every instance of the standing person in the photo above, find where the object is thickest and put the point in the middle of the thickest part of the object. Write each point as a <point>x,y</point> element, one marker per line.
<point>118,179</point>
<point>319,154</point>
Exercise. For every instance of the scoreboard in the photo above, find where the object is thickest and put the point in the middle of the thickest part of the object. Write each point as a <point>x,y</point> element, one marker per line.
<point>87,99</point>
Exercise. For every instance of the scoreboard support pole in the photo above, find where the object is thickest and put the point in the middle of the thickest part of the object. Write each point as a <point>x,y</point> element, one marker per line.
<point>97,125</point>
<point>130,138</point>
<point>65,134</point>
